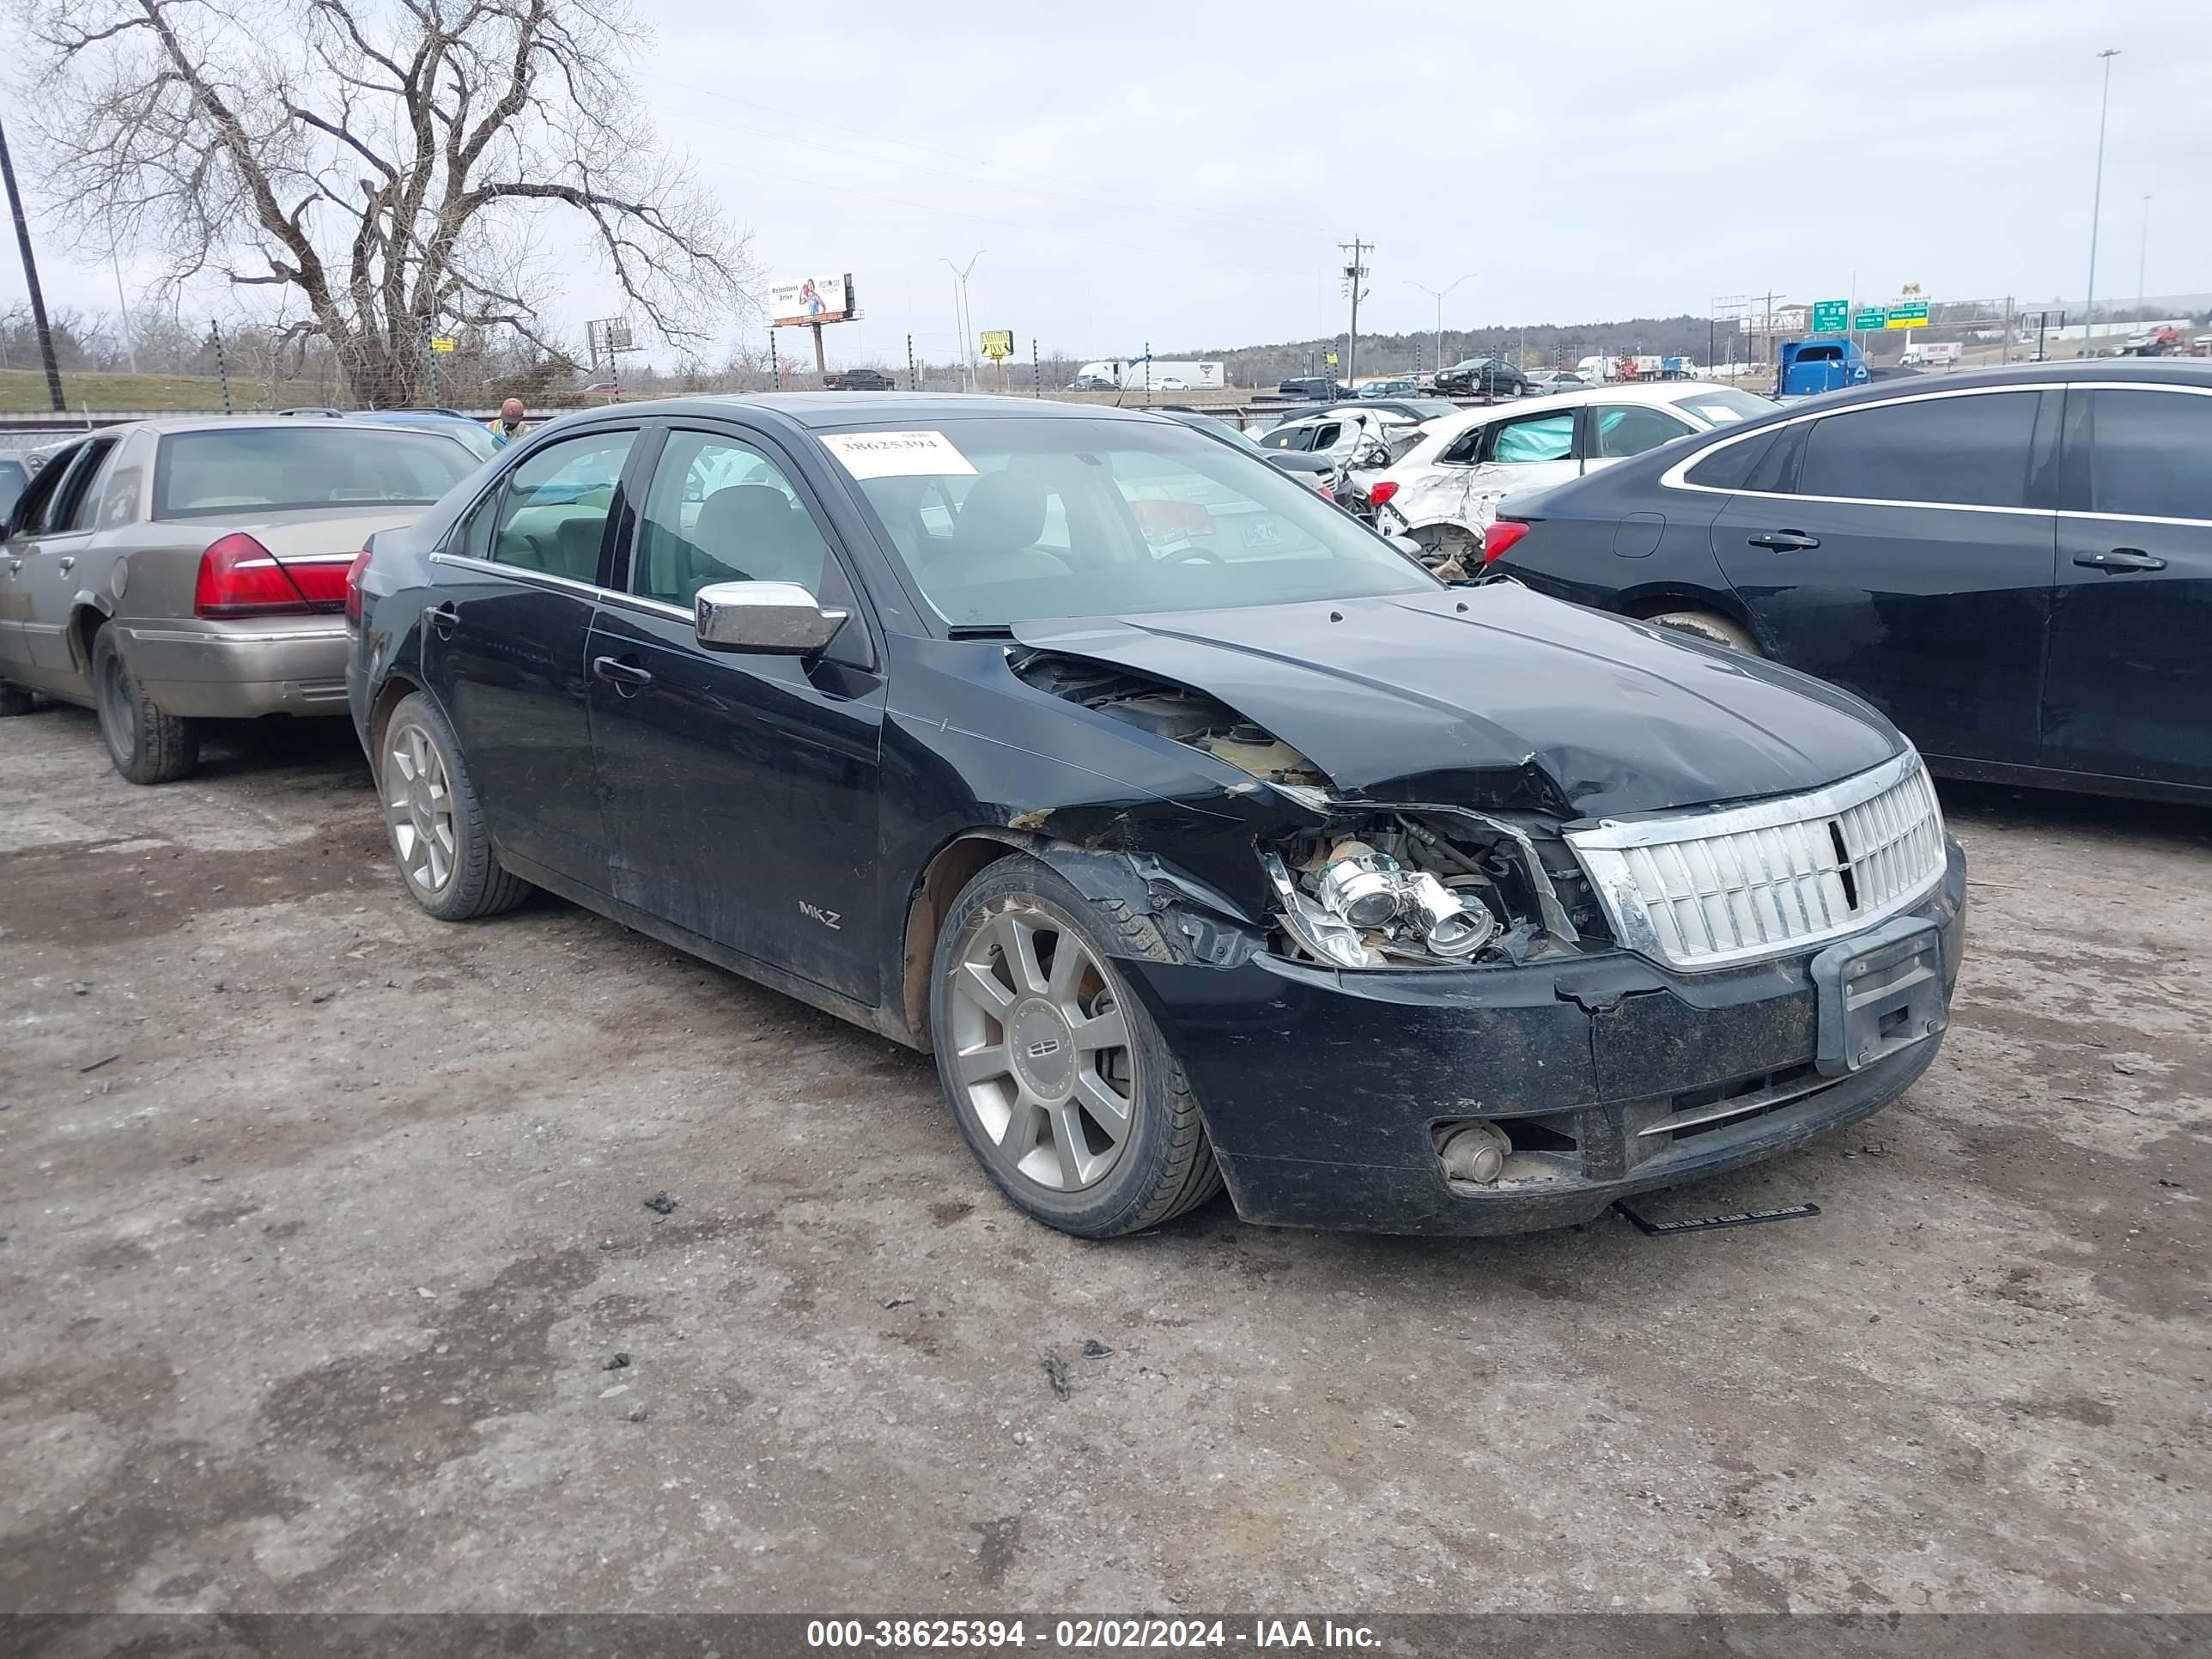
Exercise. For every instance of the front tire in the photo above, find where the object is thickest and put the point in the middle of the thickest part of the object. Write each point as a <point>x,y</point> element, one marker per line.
<point>1712,629</point>
<point>433,820</point>
<point>1057,1076</point>
<point>146,745</point>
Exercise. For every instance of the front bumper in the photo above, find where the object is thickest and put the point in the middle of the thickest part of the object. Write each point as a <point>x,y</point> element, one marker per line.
<point>1322,1090</point>
<point>239,670</point>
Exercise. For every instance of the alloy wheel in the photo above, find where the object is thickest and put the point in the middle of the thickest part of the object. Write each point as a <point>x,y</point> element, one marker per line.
<point>1042,1048</point>
<point>418,809</point>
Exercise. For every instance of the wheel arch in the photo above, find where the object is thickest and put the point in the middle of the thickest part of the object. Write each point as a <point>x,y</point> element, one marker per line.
<point>88,614</point>
<point>954,864</point>
<point>1147,909</point>
<point>1642,604</point>
<point>398,687</point>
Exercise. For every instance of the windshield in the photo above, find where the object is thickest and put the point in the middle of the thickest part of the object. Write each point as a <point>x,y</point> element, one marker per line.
<point>342,464</point>
<point>1723,404</point>
<point>1008,519</point>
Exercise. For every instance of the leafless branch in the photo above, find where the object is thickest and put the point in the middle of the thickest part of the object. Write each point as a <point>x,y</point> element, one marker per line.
<point>229,137</point>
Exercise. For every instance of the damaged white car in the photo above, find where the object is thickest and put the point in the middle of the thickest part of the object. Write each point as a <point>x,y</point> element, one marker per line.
<point>1444,491</point>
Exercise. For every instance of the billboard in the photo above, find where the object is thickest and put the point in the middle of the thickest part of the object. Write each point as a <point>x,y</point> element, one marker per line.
<point>804,300</point>
<point>998,343</point>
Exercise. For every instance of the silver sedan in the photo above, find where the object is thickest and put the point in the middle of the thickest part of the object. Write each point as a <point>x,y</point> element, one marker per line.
<point>169,572</point>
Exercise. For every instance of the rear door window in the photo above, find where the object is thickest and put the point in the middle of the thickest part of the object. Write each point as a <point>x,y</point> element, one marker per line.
<point>1969,451</point>
<point>2150,452</point>
<point>1620,430</point>
<point>1729,467</point>
<point>78,508</point>
<point>554,516</point>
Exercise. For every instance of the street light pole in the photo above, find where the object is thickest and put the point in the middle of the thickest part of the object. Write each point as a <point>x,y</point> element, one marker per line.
<point>960,315</point>
<point>2142,262</point>
<point>2096,206</point>
<point>1438,295</point>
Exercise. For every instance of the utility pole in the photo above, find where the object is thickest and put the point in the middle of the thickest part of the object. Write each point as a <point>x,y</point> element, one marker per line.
<point>912,383</point>
<point>1354,274</point>
<point>2096,207</point>
<point>31,282</point>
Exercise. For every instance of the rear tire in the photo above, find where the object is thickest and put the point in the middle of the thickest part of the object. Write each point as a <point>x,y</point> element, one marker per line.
<point>433,820</point>
<point>146,745</point>
<point>1712,629</point>
<point>1060,1080</point>
<point>15,700</point>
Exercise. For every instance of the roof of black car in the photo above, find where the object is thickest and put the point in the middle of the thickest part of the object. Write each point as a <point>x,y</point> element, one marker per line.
<point>826,410</point>
<point>2169,370</point>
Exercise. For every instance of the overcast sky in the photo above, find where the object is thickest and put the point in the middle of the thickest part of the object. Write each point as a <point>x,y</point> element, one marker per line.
<point>1182,172</point>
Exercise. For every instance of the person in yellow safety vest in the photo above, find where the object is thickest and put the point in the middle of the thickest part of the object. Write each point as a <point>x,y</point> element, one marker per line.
<point>508,425</point>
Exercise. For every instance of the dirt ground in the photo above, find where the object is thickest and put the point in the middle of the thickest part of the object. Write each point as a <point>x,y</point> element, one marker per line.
<point>324,1222</point>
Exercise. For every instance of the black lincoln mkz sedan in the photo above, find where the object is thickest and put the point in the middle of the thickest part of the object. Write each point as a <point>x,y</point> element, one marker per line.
<point>1203,835</point>
<point>2012,564</point>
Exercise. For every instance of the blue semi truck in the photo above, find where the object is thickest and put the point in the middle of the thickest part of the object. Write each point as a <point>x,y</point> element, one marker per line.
<point>1826,362</point>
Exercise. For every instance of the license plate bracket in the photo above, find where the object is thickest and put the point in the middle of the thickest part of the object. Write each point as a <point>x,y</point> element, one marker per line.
<point>1879,994</point>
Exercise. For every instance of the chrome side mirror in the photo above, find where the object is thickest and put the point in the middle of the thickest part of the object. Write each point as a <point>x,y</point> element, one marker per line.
<point>778,619</point>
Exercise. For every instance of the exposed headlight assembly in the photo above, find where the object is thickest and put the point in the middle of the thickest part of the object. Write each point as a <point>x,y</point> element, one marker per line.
<point>1366,908</point>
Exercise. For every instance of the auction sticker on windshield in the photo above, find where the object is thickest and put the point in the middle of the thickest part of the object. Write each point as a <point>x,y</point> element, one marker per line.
<point>897,454</point>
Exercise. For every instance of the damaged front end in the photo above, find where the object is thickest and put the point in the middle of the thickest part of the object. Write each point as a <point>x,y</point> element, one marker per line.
<point>1406,1014</point>
<point>1355,884</point>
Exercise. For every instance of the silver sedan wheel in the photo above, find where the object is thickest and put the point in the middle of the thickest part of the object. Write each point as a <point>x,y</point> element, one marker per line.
<point>1043,1050</point>
<point>418,809</point>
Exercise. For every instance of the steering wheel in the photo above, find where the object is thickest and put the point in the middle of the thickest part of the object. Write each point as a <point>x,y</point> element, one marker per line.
<point>1191,552</point>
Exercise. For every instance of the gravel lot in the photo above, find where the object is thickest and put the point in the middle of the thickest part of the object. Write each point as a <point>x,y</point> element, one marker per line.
<point>324,1222</point>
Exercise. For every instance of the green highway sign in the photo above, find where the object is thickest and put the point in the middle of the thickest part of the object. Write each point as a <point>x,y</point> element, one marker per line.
<point>1908,313</point>
<point>1869,316</point>
<point>1828,315</point>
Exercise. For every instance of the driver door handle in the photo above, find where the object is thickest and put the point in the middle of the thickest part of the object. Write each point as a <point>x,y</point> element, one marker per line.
<point>2120,559</point>
<point>66,563</point>
<point>1786,541</point>
<point>443,617</point>
<point>621,673</point>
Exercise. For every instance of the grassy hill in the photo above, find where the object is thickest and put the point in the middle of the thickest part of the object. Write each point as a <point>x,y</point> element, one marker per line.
<point>23,392</point>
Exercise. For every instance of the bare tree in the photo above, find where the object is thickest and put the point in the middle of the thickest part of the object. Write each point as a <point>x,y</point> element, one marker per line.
<point>393,164</point>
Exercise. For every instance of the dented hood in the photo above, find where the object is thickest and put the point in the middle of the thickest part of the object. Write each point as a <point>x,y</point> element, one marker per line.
<point>1497,697</point>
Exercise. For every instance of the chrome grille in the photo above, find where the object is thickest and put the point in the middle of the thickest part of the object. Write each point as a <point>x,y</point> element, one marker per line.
<point>1710,889</point>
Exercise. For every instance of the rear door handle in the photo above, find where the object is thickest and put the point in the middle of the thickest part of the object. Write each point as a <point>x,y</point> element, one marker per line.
<point>621,673</point>
<point>443,617</point>
<point>2120,559</point>
<point>1787,541</point>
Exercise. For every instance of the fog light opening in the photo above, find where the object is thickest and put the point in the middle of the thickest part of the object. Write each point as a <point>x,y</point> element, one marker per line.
<point>1475,1153</point>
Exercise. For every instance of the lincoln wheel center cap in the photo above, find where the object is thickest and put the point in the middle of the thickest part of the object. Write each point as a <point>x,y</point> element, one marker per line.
<point>1043,1048</point>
